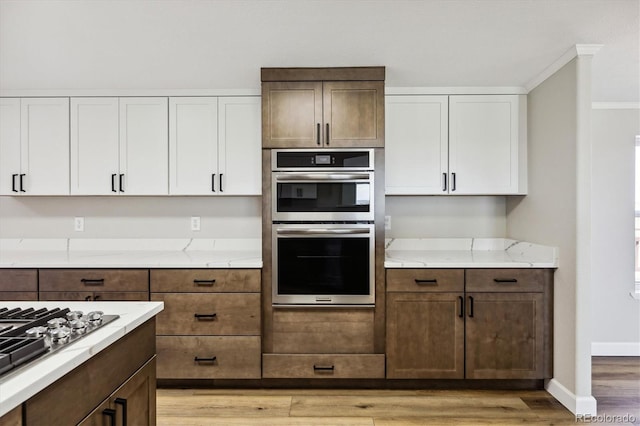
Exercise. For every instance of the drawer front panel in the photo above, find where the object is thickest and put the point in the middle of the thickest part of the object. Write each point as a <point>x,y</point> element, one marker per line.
<point>18,280</point>
<point>94,280</point>
<point>323,366</point>
<point>426,280</point>
<point>220,314</point>
<point>323,330</point>
<point>508,280</point>
<point>18,295</point>
<point>88,296</point>
<point>236,357</point>
<point>205,280</point>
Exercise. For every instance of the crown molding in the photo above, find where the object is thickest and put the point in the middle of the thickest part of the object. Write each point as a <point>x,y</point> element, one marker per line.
<point>577,50</point>
<point>489,90</point>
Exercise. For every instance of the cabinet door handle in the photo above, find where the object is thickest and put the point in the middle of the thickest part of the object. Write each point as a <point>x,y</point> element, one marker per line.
<point>113,182</point>
<point>123,403</point>
<point>470,306</point>
<point>121,182</point>
<point>87,299</point>
<point>87,281</point>
<point>205,316</point>
<point>444,182</point>
<point>220,187</point>
<point>111,414</point>
<point>22,183</point>
<point>505,280</point>
<point>213,182</point>
<point>96,297</point>
<point>425,282</point>
<point>204,282</point>
<point>13,182</point>
<point>453,181</point>
<point>327,135</point>
<point>210,359</point>
<point>322,368</point>
<point>461,299</point>
<point>318,134</point>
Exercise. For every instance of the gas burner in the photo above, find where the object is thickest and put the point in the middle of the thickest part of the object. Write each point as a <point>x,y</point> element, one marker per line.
<point>74,315</point>
<point>78,326</point>
<point>60,335</point>
<point>95,317</point>
<point>56,323</point>
<point>36,331</point>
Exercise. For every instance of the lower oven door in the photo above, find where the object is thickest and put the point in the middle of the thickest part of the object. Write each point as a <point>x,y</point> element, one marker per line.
<point>323,264</point>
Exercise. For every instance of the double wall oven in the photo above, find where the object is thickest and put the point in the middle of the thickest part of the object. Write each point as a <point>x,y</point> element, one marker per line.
<point>323,234</point>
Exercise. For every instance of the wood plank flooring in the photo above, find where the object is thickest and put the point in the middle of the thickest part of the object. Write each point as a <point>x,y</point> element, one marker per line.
<point>616,385</point>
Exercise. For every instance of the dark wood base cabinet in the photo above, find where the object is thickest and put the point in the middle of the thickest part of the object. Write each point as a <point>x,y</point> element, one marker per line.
<point>469,324</point>
<point>117,383</point>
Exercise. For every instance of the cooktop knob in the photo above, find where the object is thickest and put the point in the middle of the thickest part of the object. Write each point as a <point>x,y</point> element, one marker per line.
<point>36,331</point>
<point>56,322</point>
<point>74,315</point>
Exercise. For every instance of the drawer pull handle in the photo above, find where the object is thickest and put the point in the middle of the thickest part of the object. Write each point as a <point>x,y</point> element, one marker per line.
<point>505,280</point>
<point>204,282</point>
<point>211,359</point>
<point>321,368</point>
<point>123,403</point>
<point>87,281</point>
<point>424,282</point>
<point>205,316</point>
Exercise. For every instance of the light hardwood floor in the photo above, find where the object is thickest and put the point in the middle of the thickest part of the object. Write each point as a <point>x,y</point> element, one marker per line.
<point>616,385</point>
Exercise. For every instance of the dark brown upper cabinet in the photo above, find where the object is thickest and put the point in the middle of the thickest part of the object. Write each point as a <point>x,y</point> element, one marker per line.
<point>323,107</point>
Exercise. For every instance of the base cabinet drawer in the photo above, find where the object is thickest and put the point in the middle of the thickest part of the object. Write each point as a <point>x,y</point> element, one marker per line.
<point>102,280</point>
<point>209,314</point>
<point>208,357</point>
<point>205,280</point>
<point>323,366</point>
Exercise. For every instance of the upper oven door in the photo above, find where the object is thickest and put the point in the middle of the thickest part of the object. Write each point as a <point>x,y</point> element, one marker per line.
<point>322,196</point>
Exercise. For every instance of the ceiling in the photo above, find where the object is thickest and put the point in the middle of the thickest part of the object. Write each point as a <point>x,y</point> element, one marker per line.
<point>223,43</point>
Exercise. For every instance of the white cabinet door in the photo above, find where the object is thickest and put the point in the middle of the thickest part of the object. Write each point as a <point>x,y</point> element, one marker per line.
<point>416,151</point>
<point>144,146</point>
<point>484,147</point>
<point>34,146</point>
<point>94,146</point>
<point>9,145</point>
<point>239,145</point>
<point>193,146</point>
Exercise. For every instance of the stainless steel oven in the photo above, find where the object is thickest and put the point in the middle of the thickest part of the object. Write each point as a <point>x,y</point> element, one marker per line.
<point>316,264</point>
<point>309,185</point>
<point>323,235</point>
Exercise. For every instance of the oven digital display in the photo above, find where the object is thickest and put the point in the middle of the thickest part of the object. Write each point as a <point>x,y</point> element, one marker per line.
<point>323,159</point>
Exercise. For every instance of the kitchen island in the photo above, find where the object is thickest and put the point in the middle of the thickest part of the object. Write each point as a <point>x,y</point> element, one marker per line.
<point>66,386</point>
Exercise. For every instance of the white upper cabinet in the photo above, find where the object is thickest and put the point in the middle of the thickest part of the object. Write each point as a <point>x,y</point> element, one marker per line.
<point>239,145</point>
<point>215,145</point>
<point>480,148</point>
<point>144,156</point>
<point>94,146</point>
<point>416,153</point>
<point>119,146</point>
<point>34,146</point>
<point>487,150</point>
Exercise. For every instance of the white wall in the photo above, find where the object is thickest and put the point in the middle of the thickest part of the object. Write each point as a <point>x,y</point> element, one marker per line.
<point>446,217</point>
<point>550,215</point>
<point>616,316</point>
<point>130,217</point>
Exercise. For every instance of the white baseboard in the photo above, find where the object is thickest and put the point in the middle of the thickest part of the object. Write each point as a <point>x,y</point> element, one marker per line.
<point>615,348</point>
<point>578,405</point>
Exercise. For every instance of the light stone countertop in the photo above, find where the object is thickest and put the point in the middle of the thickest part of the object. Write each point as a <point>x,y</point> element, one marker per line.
<point>130,253</point>
<point>17,387</point>
<point>468,253</point>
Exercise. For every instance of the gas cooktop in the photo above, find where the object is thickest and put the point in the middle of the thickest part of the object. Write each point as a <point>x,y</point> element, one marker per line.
<point>29,334</point>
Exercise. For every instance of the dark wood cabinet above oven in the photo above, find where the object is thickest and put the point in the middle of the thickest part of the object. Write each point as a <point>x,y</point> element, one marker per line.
<point>323,107</point>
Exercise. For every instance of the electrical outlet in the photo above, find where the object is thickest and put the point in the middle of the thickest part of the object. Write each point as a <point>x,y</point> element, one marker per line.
<point>387,223</point>
<point>78,224</point>
<point>195,223</point>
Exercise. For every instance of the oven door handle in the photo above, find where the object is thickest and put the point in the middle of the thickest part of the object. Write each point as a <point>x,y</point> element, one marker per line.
<point>324,176</point>
<point>329,231</point>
